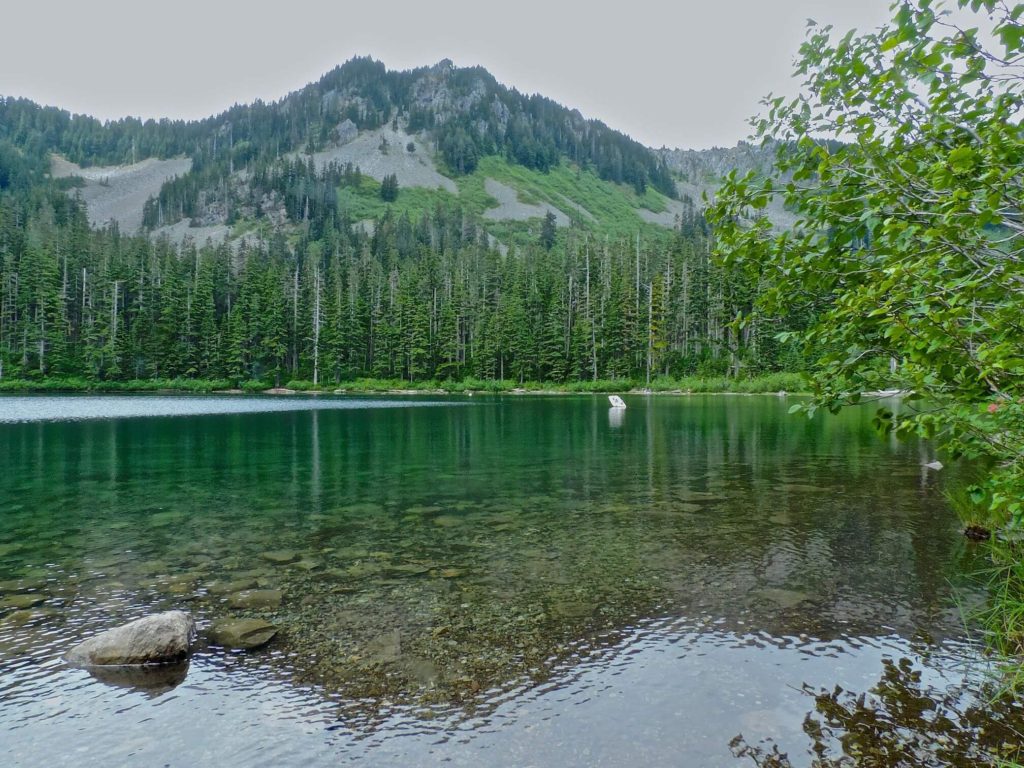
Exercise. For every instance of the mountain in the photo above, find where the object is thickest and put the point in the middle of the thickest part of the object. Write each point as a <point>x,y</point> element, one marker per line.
<point>432,128</point>
<point>416,225</point>
<point>699,173</point>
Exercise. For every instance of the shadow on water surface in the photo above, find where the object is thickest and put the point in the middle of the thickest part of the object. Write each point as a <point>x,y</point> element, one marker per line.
<point>441,570</point>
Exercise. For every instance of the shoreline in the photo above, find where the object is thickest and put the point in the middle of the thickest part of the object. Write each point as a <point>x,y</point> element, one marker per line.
<point>773,384</point>
<point>401,392</point>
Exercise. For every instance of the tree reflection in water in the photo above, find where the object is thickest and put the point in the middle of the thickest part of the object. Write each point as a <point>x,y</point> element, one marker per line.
<point>907,723</point>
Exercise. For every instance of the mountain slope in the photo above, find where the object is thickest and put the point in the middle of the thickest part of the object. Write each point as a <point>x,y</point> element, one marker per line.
<point>118,194</point>
<point>360,113</point>
<point>441,131</point>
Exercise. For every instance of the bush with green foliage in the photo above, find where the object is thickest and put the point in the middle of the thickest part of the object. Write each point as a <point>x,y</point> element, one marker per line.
<point>909,245</point>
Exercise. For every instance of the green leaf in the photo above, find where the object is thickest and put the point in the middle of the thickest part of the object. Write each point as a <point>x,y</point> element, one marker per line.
<point>890,42</point>
<point>961,160</point>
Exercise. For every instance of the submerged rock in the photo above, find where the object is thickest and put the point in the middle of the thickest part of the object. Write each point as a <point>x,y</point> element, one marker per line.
<point>359,570</point>
<point>227,587</point>
<point>21,602</point>
<point>21,585</point>
<point>385,648</point>
<point>256,598</point>
<point>158,639</point>
<point>23,616</point>
<point>408,569</point>
<point>423,671</point>
<point>571,609</point>
<point>783,598</point>
<point>241,634</point>
<point>181,584</point>
<point>280,556</point>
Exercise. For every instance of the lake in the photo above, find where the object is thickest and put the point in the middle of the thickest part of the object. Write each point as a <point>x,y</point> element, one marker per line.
<point>498,581</point>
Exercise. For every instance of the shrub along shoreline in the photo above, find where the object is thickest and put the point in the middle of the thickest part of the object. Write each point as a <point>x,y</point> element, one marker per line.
<point>768,383</point>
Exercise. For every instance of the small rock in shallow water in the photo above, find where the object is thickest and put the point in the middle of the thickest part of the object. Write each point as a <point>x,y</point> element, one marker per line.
<point>800,488</point>
<point>10,549</point>
<point>227,587</point>
<point>17,618</point>
<point>241,634</point>
<point>21,585</point>
<point>20,602</point>
<point>105,563</point>
<point>179,586</point>
<point>157,639</point>
<point>256,598</point>
<point>385,648</point>
<point>784,598</point>
<point>368,509</point>
<point>571,609</point>
<point>408,569</point>
<point>421,509</point>
<point>280,556</point>
<point>152,567</point>
<point>423,671</point>
<point>359,570</point>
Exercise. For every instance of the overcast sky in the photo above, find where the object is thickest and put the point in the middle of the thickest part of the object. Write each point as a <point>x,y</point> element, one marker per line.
<point>686,73</point>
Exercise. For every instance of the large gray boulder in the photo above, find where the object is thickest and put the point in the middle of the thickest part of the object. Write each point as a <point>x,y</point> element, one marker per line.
<point>158,639</point>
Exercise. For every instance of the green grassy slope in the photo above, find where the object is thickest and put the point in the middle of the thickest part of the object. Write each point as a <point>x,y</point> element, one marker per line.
<point>613,209</point>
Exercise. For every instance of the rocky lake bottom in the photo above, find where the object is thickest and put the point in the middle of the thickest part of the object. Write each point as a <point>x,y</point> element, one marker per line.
<point>507,580</point>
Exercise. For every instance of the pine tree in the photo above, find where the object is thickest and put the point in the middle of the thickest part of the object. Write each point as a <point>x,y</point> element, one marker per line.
<point>548,231</point>
<point>389,188</point>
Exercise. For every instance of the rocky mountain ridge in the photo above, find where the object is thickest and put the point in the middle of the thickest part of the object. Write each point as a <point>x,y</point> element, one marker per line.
<point>431,128</point>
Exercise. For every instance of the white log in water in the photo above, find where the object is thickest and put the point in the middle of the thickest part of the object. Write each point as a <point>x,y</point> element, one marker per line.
<point>616,401</point>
